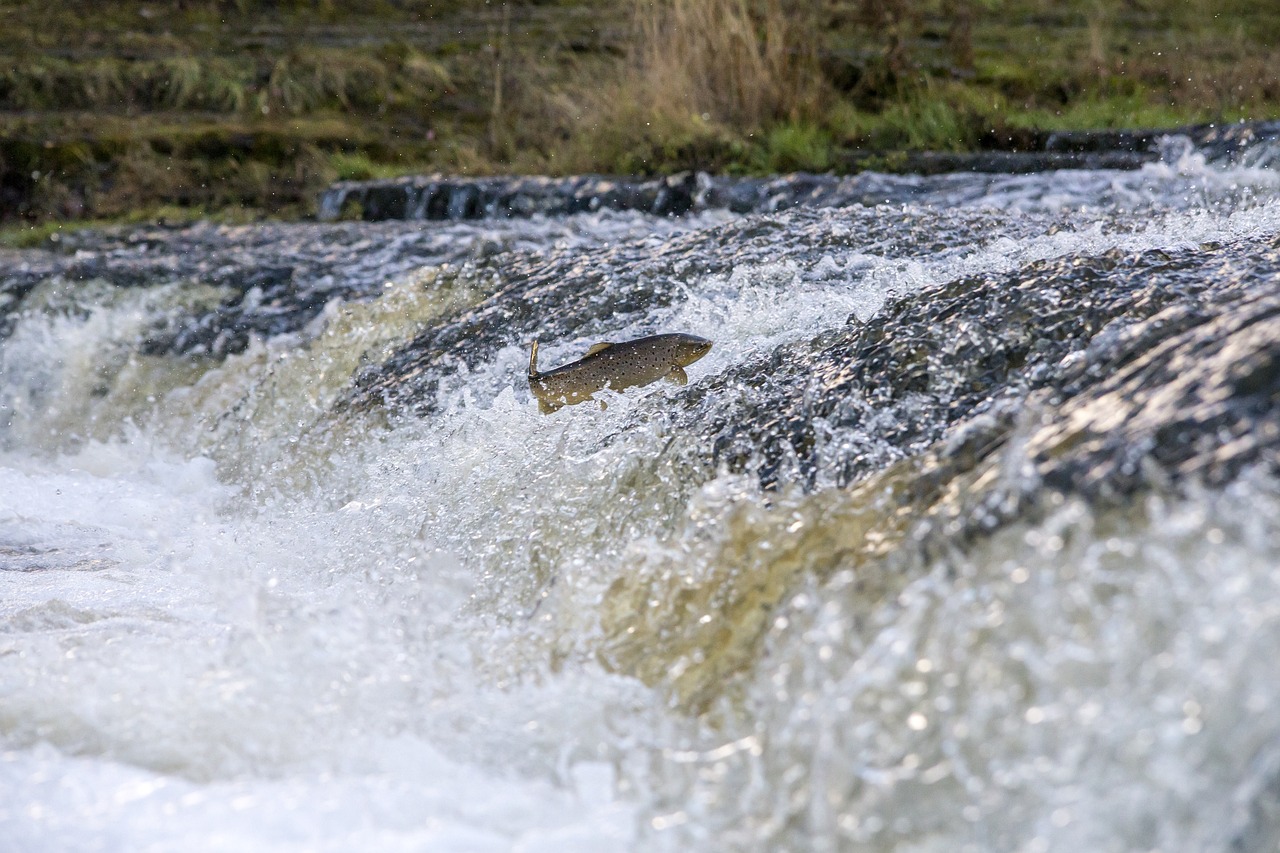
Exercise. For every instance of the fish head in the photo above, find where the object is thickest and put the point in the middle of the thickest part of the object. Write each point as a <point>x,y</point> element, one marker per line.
<point>690,348</point>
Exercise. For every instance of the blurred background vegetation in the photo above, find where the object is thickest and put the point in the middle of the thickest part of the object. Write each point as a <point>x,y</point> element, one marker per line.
<point>242,108</point>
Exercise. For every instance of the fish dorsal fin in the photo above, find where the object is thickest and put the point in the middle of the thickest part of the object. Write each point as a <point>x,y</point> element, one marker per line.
<point>600,347</point>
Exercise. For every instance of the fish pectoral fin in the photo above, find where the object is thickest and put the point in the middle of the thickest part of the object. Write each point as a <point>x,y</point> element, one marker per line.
<point>678,376</point>
<point>600,347</point>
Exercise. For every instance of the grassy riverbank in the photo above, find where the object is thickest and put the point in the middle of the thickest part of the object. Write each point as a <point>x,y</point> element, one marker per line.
<point>249,107</point>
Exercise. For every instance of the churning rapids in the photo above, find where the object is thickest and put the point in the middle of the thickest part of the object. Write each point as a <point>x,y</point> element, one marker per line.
<point>964,536</point>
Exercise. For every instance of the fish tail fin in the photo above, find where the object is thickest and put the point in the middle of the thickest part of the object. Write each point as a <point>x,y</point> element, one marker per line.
<point>533,360</point>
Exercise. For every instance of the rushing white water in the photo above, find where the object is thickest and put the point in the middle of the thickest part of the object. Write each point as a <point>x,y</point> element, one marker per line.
<point>231,620</point>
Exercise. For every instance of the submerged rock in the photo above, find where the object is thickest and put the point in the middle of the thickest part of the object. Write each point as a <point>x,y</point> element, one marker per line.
<point>582,293</point>
<point>274,278</point>
<point>952,414</point>
<point>1052,335</point>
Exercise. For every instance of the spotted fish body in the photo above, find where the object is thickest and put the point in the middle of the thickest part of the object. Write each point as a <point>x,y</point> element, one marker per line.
<point>615,366</point>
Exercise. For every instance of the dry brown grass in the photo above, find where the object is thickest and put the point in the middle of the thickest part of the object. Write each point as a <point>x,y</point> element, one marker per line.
<point>699,78</point>
<point>743,63</point>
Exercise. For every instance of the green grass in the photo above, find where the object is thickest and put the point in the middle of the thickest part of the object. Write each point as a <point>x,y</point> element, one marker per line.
<point>357,166</point>
<point>28,235</point>
<point>794,147</point>
<point>1119,112</point>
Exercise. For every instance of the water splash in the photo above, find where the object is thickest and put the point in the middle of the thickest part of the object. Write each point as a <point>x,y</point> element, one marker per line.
<point>235,613</point>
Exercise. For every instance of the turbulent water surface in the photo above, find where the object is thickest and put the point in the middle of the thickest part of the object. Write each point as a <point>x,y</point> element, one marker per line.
<point>964,536</point>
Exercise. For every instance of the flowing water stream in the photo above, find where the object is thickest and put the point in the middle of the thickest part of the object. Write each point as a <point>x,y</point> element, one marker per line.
<point>964,536</point>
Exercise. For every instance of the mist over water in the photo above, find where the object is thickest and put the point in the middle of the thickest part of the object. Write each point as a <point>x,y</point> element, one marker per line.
<point>239,611</point>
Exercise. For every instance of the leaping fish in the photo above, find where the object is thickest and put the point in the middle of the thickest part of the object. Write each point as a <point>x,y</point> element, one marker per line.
<point>615,366</point>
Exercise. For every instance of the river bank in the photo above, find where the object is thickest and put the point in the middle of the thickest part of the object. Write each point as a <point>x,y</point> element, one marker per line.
<point>146,110</point>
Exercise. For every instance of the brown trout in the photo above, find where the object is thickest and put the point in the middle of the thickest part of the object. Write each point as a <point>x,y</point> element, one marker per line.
<point>615,366</point>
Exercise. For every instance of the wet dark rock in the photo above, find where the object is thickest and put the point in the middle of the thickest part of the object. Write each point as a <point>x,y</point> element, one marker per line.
<point>580,293</point>
<point>1006,162</point>
<point>1201,400</point>
<point>1103,141</point>
<point>1165,357</point>
<point>276,278</point>
<point>458,199</point>
<point>562,295</point>
<point>949,370</point>
<point>1215,141</point>
<point>435,198</point>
